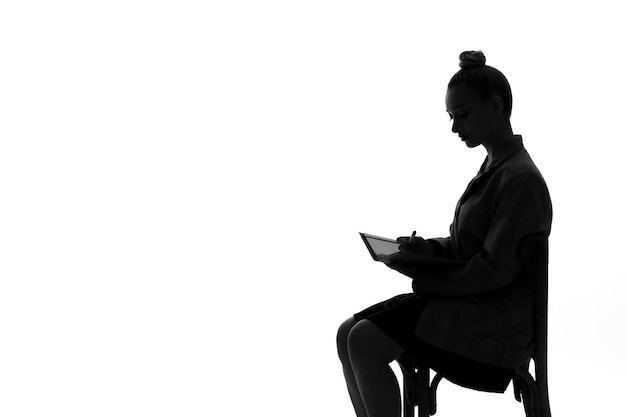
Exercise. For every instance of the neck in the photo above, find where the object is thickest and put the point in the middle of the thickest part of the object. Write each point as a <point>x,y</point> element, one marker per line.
<point>501,141</point>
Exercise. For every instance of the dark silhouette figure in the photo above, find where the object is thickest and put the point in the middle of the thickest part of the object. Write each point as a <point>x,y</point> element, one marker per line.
<point>472,323</point>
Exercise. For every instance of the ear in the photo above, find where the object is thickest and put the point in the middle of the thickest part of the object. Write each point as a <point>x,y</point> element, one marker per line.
<point>497,105</point>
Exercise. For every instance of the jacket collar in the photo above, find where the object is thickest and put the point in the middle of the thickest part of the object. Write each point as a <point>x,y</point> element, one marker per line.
<point>515,145</point>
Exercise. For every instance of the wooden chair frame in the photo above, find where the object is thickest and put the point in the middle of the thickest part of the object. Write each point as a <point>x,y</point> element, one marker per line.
<point>420,391</point>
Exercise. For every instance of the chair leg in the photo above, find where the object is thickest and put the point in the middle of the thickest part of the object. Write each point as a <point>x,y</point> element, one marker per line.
<point>530,394</point>
<point>423,392</point>
<point>433,393</point>
<point>544,402</point>
<point>517,389</point>
<point>541,374</point>
<point>409,394</point>
<point>418,389</point>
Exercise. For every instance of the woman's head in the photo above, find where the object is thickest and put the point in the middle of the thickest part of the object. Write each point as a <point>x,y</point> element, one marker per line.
<point>482,79</point>
<point>479,101</point>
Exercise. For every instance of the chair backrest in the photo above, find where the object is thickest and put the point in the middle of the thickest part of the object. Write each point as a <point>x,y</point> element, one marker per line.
<point>535,257</point>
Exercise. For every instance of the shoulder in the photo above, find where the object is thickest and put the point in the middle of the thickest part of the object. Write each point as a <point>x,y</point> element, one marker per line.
<point>519,179</point>
<point>520,168</point>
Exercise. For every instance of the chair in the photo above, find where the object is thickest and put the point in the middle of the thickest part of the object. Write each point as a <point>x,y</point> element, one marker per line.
<point>420,391</point>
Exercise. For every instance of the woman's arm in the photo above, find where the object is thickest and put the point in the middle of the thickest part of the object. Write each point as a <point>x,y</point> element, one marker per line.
<point>441,246</point>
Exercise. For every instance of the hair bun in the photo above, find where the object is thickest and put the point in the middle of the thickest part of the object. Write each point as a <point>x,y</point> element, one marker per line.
<point>469,59</point>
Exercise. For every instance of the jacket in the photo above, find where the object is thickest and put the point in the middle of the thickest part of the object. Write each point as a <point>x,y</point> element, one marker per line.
<point>483,308</point>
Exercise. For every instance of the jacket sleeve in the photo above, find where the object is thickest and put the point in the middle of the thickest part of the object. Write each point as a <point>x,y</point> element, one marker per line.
<point>522,207</point>
<point>442,246</point>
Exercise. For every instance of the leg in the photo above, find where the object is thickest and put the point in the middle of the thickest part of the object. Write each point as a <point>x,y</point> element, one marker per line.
<point>370,351</point>
<point>342,348</point>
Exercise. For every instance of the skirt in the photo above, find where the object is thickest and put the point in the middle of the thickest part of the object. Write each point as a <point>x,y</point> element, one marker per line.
<point>398,316</point>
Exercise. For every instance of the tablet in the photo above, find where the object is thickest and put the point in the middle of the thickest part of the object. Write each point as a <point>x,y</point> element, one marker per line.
<point>379,247</point>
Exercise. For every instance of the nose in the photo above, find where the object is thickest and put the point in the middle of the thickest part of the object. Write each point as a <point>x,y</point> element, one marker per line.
<point>455,126</point>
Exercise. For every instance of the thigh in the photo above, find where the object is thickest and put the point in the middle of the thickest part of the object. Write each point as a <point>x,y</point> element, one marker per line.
<point>397,317</point>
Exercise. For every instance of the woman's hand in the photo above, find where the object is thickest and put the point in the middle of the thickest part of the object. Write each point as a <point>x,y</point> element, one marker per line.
<point>416,245</point>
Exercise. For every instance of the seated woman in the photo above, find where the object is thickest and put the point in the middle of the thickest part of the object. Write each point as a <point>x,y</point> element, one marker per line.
<point>471,323</point>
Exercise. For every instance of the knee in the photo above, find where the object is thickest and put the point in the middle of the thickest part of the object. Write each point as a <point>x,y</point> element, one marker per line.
<point>359,340</point>
<point>367,342</point>
<point>342,337</point>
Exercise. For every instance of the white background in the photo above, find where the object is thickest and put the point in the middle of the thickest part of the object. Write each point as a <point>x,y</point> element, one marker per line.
<point>182,185</point>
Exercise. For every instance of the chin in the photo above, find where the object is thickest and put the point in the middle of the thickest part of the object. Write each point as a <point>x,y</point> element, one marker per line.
<point>471,144</point>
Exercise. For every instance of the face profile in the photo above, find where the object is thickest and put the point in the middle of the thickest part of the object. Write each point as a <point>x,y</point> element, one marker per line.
<point>474,120</point>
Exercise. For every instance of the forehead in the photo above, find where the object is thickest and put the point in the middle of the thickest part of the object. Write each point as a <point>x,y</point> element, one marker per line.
<point>458,96</point>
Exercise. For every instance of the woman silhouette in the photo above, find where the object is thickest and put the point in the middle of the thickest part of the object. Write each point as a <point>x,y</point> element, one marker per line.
<point>471,323</point>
